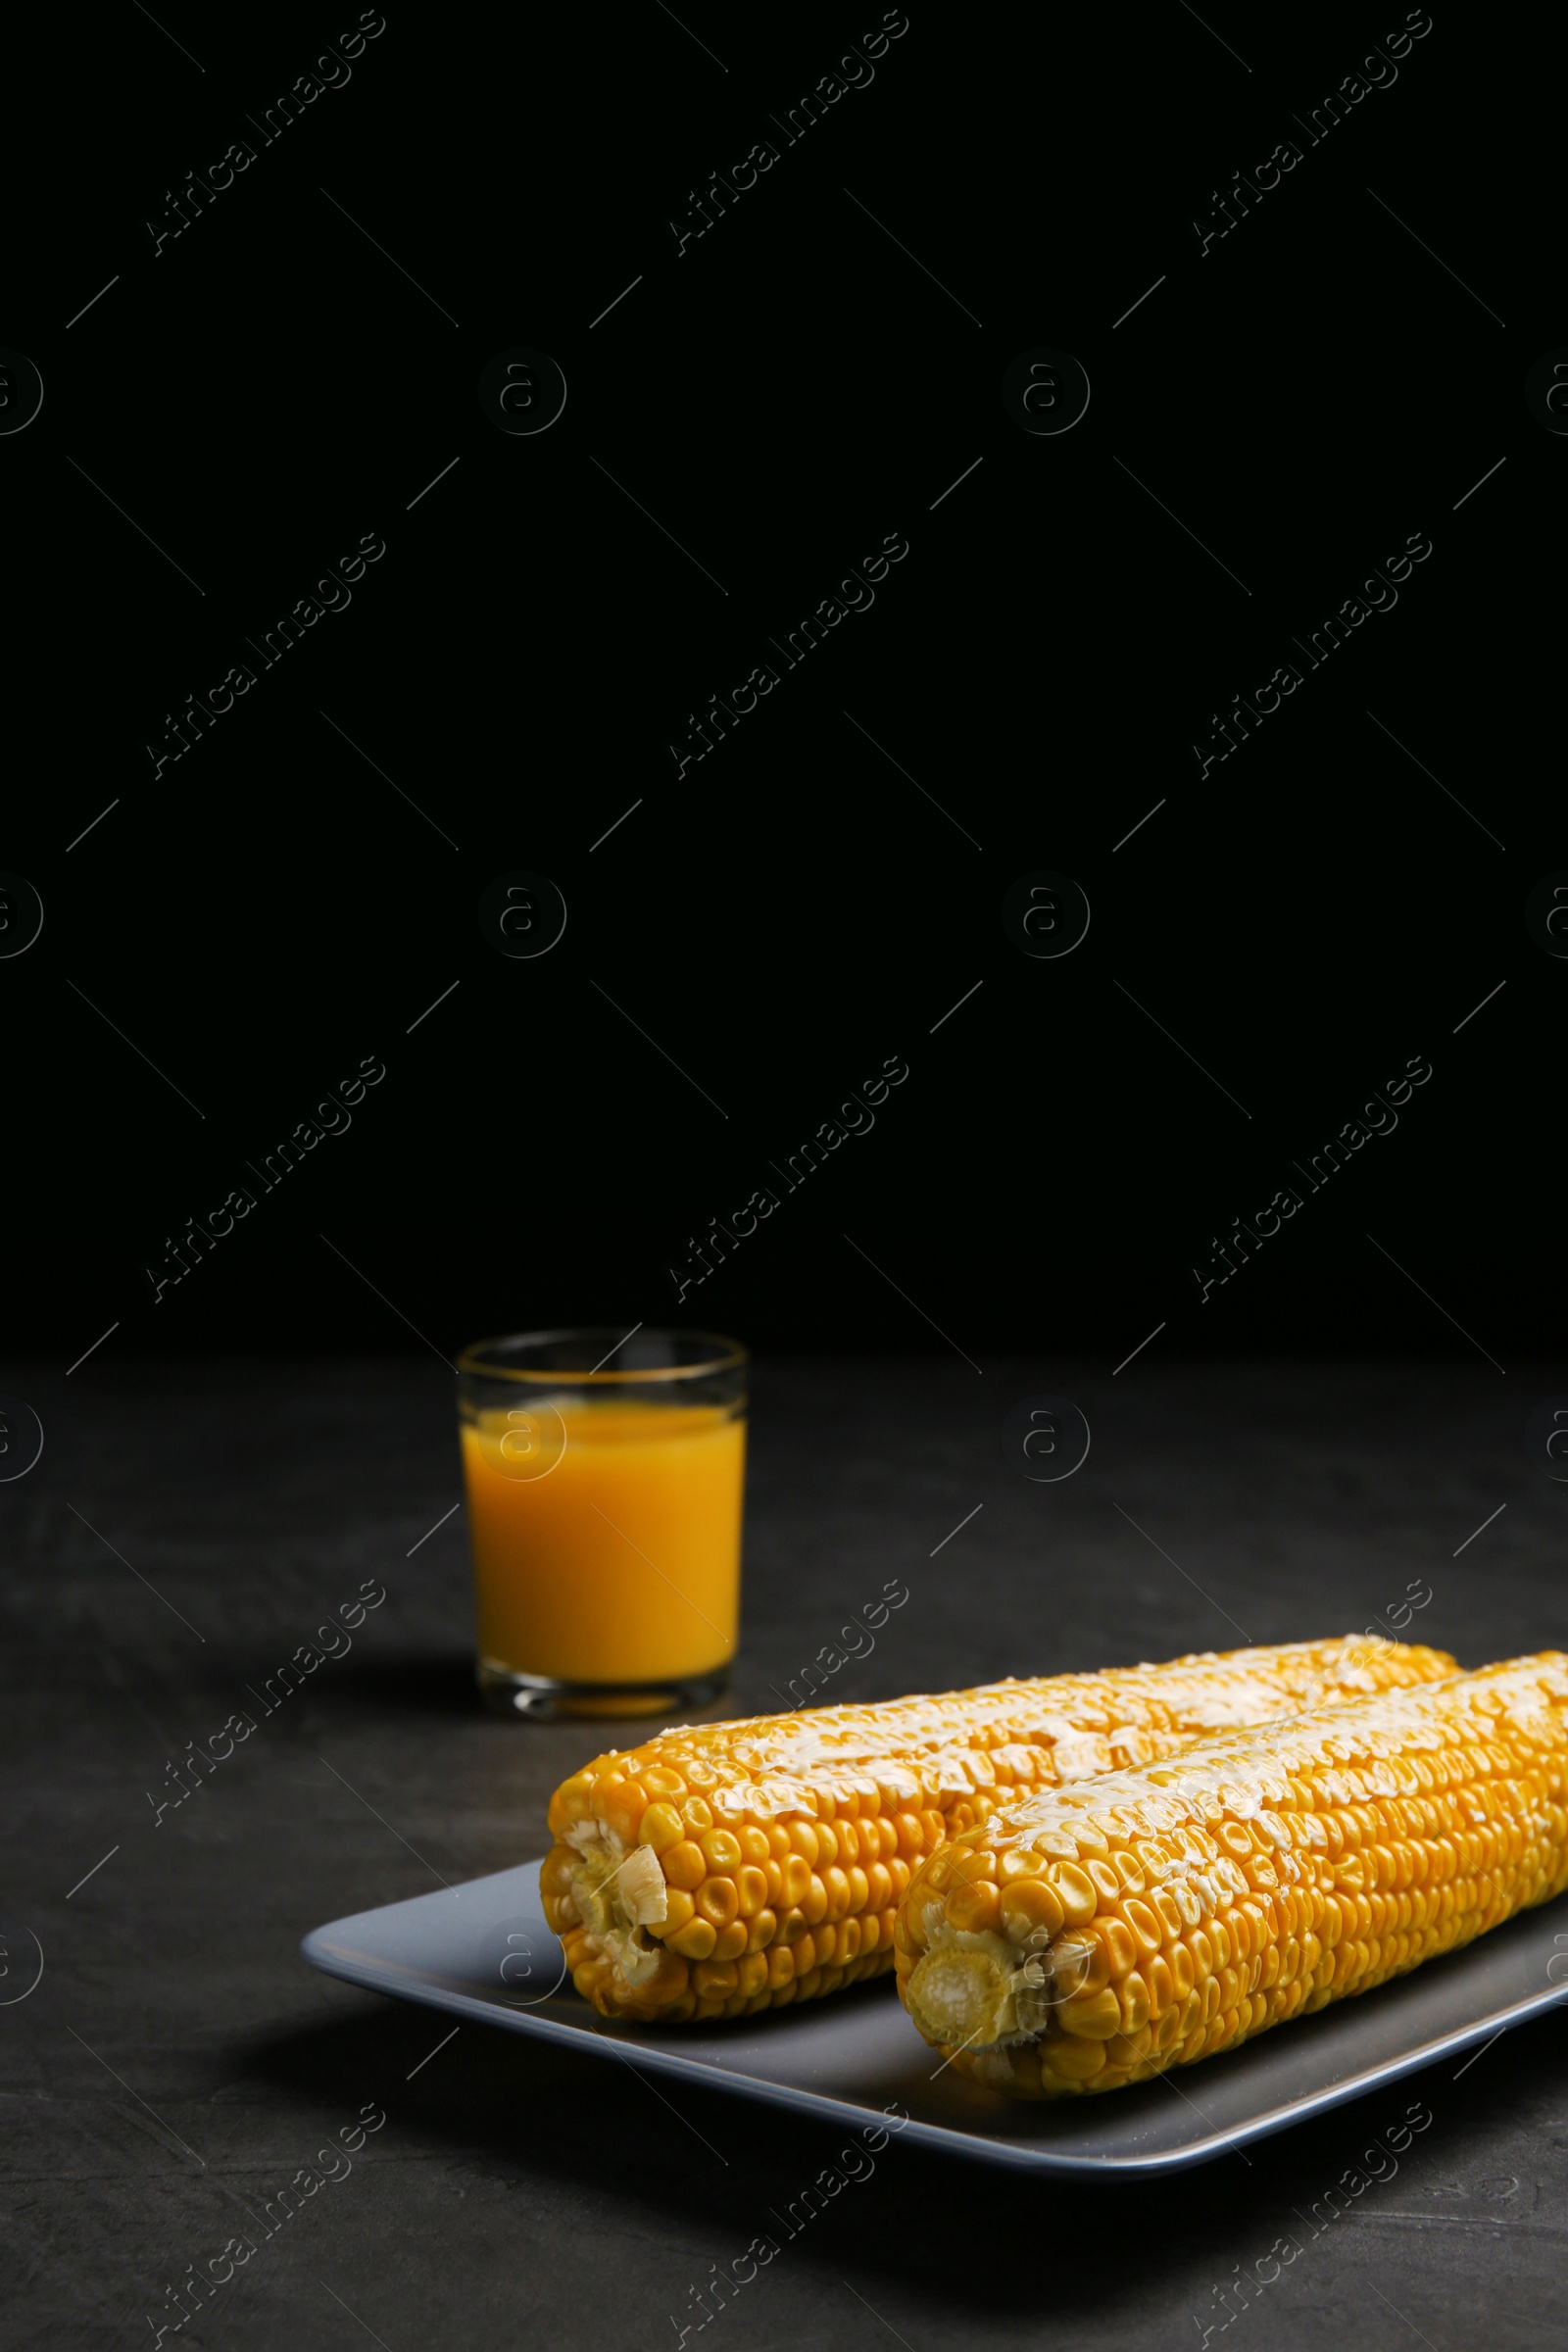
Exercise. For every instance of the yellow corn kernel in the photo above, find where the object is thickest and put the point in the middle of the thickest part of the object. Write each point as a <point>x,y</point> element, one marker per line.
<point>1119,1944</point>
<point>1134,1992</point>
<point>796,1877</point>
<point>623,1810</point>
<point>1075,1890</point>
<point>668,1985</point>
<point>1094,2014</point>
<point>683,1865</point>
<point>1142,1923</point>
<point>1079,1962</point>
<point>661,1828</point>
<point>1129,1873</point>
<point>694,1942</point>
<point>718,1900</point>
<point>721,1850</point>
<point>1073,2058</point>
<point>974,1907</point>
<point>555,1872</point>
<point>678,1909</point>
<point>1029,1904</point>
<point>1165,1908</point>
<point>570,1802</point>
<point>972,1862</point>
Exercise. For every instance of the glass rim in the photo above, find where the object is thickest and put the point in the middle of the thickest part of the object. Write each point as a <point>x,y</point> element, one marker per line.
<point>722,1356</point>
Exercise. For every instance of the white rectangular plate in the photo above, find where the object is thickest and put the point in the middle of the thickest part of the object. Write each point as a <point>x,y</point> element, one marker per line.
<point>484,1953</point>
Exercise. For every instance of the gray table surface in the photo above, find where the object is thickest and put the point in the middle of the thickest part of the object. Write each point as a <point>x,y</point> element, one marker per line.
<point>176,2064</point>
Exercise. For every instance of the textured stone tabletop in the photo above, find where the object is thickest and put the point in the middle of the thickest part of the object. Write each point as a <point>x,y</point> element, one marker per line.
<point>176,2065</point>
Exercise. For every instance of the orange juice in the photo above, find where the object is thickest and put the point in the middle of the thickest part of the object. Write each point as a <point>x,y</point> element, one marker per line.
<point>615,1559</point>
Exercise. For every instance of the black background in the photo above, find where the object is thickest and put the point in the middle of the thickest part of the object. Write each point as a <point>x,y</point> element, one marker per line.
<point>225,940</point>
<point>792,910</point>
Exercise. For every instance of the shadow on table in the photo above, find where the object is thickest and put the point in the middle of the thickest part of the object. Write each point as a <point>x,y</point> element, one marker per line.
<point>534,2118</point>
<point>413,1683</point>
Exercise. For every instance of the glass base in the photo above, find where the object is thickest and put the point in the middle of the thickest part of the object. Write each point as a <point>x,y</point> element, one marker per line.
<point>542,1699</point>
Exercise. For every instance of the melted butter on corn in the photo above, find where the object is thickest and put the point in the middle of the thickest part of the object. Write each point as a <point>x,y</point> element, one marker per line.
<point>722,1869</point>
<point>1088,1936</point>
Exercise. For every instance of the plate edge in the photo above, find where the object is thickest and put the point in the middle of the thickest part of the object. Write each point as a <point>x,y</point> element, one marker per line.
<point>945,2136</point>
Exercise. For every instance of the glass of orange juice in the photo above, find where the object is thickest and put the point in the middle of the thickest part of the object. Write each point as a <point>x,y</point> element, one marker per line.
<point>605,1474</point>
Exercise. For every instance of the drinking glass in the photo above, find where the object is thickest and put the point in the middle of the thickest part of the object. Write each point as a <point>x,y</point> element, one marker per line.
<point>605,1476</point>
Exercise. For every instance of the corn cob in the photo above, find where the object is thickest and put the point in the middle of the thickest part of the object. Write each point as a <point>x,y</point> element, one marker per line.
<point>722,1870</point>
<point>1092,1937</point>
